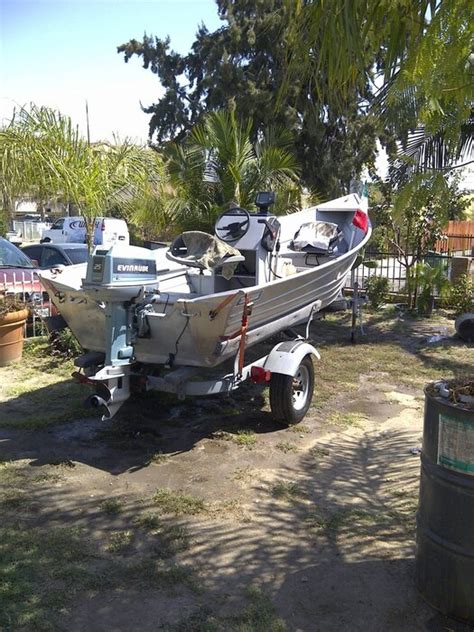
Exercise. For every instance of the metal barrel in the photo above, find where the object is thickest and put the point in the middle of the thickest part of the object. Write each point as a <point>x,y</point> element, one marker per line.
<point>445,519</point>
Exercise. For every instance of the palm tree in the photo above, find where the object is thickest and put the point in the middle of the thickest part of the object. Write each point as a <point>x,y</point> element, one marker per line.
<point>218,166</point>
<point>43,154</point>
<point>423,49</point>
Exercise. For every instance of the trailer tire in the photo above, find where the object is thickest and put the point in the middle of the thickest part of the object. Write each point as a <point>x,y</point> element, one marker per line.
<point>290,397</point>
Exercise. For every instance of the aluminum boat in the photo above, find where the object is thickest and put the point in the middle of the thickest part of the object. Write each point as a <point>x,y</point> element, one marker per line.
<point>208,297</point>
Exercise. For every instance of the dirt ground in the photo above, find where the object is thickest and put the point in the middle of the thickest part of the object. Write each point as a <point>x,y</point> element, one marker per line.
<point>205,515</point>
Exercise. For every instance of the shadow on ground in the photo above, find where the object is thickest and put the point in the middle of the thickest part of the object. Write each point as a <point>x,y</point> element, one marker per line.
<point>328,535</point>
<point>145,425</point>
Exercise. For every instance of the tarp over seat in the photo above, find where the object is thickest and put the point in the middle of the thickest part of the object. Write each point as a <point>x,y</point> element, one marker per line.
<point>316,237</point>
<point>199,249</point>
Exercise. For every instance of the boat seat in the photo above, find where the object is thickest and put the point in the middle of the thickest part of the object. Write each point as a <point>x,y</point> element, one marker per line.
<point>206,252</point>
<point>316,237</point>
<point>318,240</point>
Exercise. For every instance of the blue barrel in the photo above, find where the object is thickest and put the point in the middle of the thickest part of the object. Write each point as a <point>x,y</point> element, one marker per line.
<point>445,519</point>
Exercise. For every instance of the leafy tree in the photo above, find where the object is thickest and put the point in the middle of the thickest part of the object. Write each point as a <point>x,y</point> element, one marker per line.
<point>242,67</point>
<point>412,217</point>
<point>22,165</point>
<point>422,47</point>
<point>43,154</point>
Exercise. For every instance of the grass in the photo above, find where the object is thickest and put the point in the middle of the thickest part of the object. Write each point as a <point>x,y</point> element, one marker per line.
<point>258,615</point>
<point>63,463</point>
<point>148,520</point>
<point>318,453</point>
<point>42,570</point>
<point>158,458</point>
<point>43,567</point>
<point>405,504</point>
<point>172,539</point>
<point>299,429</point>
<point>389,347</point>
<point>286,491</point>
<point>15,499</point>
<point>286,446</point>
<point>16,479</point>
<point>32,562</point>
<point>120,541</point>
<point>245,438</point>
<point>46,477</point>
<point>357,519</point>
<point>347,419</point>
<point>151,573</point>
<point>244,475</point>
<point>240,436</point>
<point>37,391</point>
<point>177,503</point>
<point>112,506</point>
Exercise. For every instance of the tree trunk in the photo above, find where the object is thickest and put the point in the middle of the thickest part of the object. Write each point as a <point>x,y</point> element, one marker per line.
<point>89,223</point>
<point>8,209</point>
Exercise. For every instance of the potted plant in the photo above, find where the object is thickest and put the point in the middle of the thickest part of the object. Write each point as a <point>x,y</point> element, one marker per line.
<point>13,315</point>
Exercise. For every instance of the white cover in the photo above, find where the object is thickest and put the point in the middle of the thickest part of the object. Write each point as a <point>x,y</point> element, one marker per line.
<point>315,234</point>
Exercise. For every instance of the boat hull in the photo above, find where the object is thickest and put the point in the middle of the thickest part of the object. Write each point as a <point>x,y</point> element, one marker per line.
<point>188,335</point>
<point>185,323</point>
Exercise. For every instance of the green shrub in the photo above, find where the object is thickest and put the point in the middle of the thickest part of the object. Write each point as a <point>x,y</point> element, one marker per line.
<point>427,279</point>
<point>377,289</point>
<point>460,296</point>
<point>63,343</point>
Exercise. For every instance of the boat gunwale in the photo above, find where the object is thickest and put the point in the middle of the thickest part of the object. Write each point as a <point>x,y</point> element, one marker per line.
<point>275,282</point>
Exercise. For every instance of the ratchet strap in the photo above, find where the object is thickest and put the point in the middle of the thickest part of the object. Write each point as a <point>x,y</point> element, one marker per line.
<point>214,312</point>
<point>243,332</point>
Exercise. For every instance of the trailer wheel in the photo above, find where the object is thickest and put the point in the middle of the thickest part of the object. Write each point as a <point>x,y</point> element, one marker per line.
<point>290,397</point>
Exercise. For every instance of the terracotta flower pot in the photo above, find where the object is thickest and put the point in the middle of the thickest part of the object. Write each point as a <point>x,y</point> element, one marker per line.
<point>11,336</point>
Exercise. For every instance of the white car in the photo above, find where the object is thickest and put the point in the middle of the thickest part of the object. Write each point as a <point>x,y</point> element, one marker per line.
<point>107,231</point>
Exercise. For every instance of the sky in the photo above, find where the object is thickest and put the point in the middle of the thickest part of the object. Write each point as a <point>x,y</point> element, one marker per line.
<point>62,53</point>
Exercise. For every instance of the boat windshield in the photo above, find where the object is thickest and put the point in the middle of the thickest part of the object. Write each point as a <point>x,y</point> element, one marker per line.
<point>12,257</point>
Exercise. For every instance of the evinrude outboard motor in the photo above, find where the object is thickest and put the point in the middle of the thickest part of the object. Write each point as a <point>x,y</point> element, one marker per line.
<point>118,279</point>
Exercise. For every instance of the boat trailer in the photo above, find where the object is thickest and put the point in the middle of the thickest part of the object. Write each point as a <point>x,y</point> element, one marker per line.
<point>287,370</point>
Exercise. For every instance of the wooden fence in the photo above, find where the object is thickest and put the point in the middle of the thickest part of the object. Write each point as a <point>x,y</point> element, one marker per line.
<point>458,238</point>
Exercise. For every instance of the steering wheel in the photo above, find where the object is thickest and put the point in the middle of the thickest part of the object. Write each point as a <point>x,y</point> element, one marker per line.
<point>232,224</point>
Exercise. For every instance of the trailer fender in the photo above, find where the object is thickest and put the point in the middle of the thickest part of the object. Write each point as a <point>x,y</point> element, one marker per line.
<point>286,357</point>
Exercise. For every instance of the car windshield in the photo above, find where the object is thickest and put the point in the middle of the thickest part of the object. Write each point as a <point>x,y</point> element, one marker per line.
<point>12,257</point>
<point>77,255</point>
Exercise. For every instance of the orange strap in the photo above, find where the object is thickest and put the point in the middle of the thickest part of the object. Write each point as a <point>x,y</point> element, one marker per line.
<point>214,312</point>
<point>243,332</point>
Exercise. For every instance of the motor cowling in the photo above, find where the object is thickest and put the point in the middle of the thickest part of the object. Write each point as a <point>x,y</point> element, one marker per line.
<point>118,274</point>
<point>117,279</point>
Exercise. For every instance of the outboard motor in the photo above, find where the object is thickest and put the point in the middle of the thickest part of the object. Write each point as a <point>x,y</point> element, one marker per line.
<point>118,278</point>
